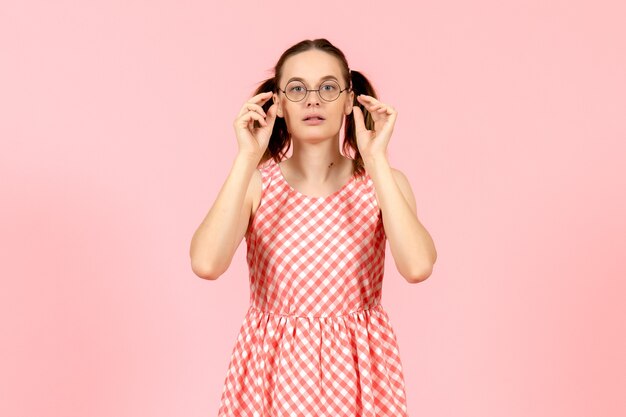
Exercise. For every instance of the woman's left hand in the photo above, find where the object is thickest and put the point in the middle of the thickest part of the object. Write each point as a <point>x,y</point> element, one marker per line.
<point>374,142</point>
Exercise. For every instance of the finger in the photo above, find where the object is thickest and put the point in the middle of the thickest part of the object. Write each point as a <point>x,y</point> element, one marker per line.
<point>358,118</point>
<point>271,112</point>
<point>252,115</point>
<point>368,98</point>
<point>261,98</point>
<point>264,96</point>
<point>389,124</point>
<point>247,106</point>
<point>256,99</point>
<point>389,110</point>
<point>372,105</point>
<point>271,116</point>
<point>378,109</point>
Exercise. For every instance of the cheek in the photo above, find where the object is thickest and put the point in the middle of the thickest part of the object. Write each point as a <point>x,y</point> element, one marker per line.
<point>338,117</point>
<point>335,118</point>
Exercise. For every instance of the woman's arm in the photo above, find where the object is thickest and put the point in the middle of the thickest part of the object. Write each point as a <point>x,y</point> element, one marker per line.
<point>215,241</point>
<point>411,245</point>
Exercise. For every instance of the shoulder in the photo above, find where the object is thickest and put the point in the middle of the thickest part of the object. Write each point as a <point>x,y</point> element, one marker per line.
<point>255,189</point>
<point>399,176</point>
<point>405,187</point>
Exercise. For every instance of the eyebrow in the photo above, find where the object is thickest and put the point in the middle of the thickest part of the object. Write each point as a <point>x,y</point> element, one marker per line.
<point>326,77</point>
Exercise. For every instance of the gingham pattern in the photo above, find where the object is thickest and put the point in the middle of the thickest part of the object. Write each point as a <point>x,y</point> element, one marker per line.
<point>315,341</point>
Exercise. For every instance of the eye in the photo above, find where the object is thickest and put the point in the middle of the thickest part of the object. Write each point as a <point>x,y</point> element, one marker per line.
<point>295,88</point>
<point>328,87</point>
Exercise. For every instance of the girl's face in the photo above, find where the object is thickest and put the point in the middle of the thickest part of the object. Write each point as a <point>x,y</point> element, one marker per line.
<point>312,67</point>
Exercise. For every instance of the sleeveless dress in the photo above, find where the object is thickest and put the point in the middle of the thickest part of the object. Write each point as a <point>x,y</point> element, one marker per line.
<point>315,341</point>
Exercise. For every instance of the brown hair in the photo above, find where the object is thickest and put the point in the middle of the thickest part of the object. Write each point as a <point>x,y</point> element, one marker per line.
<point>280,140</point>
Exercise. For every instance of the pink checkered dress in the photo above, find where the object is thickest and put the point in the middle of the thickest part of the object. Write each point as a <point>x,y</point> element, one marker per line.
<point>315,341</point>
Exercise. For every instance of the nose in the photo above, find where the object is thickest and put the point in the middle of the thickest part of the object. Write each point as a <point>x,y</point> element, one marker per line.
<point>313,98</point>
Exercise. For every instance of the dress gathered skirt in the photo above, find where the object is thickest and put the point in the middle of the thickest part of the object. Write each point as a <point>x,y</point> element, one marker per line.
<point>316,340</point>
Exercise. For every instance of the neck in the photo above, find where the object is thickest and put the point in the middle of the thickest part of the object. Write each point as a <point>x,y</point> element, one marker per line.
<point>320,170</point>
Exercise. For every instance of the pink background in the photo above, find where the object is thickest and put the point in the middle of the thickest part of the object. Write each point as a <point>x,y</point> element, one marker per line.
<point>116,129</point>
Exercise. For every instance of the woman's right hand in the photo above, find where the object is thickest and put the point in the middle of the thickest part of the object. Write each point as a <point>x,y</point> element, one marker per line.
<point>253,141</point>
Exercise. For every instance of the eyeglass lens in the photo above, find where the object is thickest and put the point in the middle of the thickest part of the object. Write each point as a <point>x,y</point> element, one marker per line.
<point>328,90</point>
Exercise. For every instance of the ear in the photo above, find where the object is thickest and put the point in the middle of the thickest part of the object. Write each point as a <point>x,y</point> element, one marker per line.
<point>349,103</point>
<point>279,109</point>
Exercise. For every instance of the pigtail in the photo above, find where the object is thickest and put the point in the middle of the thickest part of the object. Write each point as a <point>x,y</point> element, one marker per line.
<point>360,85</point>
<point>280,142</point>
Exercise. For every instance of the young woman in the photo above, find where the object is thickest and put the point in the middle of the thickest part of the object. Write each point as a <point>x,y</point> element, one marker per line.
<point>315,340</point>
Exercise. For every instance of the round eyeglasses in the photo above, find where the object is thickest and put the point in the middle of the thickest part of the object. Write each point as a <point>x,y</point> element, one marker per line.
<point>328,91</point>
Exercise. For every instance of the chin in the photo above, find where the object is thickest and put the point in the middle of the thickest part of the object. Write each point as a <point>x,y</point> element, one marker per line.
<point>315,136</point>
<point>318,132</point>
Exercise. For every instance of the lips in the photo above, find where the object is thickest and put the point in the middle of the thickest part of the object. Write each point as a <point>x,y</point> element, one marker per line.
<point>313,116</point>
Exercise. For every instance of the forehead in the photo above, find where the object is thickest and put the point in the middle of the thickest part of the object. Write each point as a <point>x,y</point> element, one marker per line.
<point>311,66</point>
